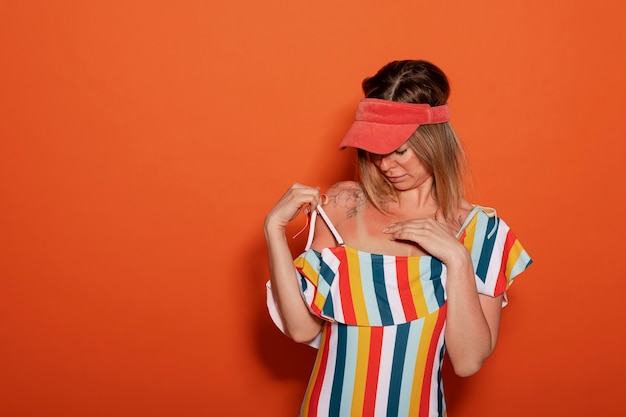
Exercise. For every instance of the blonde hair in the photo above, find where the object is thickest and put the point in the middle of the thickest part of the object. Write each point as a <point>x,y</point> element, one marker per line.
<point>439,149</point>
<point>436,145</point>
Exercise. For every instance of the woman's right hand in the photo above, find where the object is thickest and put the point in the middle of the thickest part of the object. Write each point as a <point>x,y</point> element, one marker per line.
<point>299,323</point>
<point>298,197</point>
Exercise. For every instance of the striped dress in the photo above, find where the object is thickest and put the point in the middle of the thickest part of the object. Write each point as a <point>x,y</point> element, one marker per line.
<point>382,344</point>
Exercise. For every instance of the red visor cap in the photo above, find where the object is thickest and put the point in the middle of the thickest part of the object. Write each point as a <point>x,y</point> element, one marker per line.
<point>382,126</point>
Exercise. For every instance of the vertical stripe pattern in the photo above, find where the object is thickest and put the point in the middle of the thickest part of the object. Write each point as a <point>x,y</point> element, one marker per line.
<point>382,343</point>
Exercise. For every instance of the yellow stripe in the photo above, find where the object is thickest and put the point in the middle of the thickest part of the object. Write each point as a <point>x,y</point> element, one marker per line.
<point>313,276</point>
<point>420,365</point>
<point>514,254</point>
<point>311,273</point>
<point>417,291</point>
<point>356,288</point>
<point>470,230</point>
<point>360,377</point>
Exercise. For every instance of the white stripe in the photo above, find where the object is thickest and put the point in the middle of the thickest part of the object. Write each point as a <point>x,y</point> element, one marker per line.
<point>327,385</point>
<point>495,262</point>
<point>427,284</point>
<point>393,295</point>
<point>308,294</point>
<point>384,374</point>
<point>333,263</point>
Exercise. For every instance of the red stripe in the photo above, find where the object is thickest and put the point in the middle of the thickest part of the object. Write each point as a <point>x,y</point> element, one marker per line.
<point>344,288</point>
<point>314,398</point>
<point>373,370</point>
<point>462,237</point>
<point>430,361</point>
<point>404,288</point>
<point>502,281</point>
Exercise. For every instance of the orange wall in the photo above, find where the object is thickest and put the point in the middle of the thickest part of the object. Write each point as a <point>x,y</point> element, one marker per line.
<point>142,142</point>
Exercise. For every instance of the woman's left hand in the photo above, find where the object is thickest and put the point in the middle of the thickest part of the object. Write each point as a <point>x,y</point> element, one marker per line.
<point>432,235</point>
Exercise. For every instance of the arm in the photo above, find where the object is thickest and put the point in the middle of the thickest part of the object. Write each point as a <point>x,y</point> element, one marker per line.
<point>472,319</point>
<point>300,324</point>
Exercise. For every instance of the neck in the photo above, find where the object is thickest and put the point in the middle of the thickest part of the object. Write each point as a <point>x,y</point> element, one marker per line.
<point>418,202</point>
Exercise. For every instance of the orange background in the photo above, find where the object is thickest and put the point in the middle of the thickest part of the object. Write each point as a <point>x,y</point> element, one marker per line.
<point>142,143</point>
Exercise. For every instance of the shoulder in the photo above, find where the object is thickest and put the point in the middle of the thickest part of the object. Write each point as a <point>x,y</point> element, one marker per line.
<point>345,186</point>
<point>341,202</point>
<point>345,199</point>
<point>483,222</point>
<point>462,214</point>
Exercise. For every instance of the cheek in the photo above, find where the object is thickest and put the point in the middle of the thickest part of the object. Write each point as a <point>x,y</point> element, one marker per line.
<point>417,166</point>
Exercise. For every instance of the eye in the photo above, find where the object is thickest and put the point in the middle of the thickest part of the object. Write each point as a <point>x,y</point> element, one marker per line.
<point>401,151</point>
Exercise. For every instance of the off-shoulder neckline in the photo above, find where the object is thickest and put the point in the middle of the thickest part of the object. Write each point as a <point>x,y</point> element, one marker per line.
<point>475,210</point>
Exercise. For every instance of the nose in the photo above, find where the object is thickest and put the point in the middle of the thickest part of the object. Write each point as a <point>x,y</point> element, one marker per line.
<point>386,162</point>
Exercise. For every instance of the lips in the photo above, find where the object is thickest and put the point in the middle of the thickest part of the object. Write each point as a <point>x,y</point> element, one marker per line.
<point>396,179</point>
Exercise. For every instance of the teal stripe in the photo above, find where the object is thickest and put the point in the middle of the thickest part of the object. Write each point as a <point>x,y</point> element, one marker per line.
<point>436,268</point>
<point>327,276</point>
<point>397,368</point>
<point>441,404</point>
<point>480,233</point>
<point>384,309</point>
<point>408,371</point>
<point>486,249</point>
<point>340,367</point>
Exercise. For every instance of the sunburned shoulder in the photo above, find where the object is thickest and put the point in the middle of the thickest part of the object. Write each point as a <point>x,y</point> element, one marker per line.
<point>345,199</point>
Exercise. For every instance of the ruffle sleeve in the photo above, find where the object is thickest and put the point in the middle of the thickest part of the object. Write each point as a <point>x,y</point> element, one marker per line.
<point>497,254</point>
<point>309,263</point>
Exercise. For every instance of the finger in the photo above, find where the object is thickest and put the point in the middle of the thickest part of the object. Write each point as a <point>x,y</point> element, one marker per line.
<point>392,228</point>
<point>407,235</point>
<point>305,190</point>
<point>407,225</point>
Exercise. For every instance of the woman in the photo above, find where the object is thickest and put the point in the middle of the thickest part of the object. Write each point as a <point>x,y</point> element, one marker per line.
<point>402,267</point>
